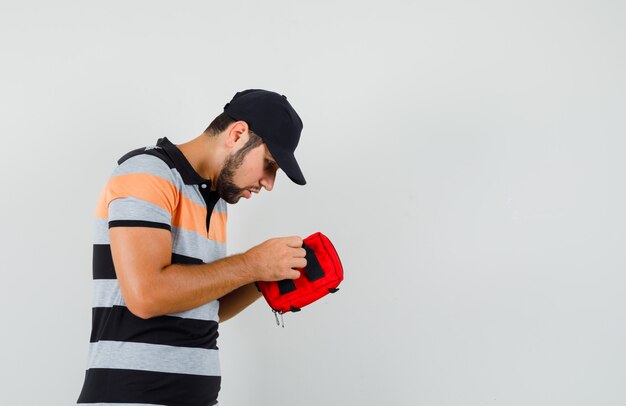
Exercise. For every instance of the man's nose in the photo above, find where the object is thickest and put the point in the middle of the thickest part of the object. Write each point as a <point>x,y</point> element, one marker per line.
<point>268,182</point>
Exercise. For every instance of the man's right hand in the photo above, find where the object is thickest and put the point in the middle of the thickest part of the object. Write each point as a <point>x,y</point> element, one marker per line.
<point>277,259</point>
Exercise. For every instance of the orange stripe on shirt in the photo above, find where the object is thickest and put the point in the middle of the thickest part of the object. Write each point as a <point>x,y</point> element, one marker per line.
<point>217,227</point>
<point>150,188</point>
<point>192,216</point>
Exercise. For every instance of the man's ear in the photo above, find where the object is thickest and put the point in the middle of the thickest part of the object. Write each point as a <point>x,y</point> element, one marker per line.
<point>235,132</point>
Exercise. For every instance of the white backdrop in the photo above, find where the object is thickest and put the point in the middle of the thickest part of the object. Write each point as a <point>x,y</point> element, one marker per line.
<point>467,159</point>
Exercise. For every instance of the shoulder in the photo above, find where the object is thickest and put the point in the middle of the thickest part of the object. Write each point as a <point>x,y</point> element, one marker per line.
<point>150,164</point>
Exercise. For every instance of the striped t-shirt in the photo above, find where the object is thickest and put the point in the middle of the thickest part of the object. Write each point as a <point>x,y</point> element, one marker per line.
<point>165,360</point>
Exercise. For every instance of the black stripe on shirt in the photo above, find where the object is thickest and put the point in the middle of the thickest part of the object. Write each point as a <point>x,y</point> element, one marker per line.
<point>103,261</point>
<point>130,386</point>
<point>185,260</point>
<point>117,323</point>
<point>139,223</point>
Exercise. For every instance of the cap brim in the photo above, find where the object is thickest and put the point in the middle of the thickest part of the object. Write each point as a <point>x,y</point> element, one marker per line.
<point>287,162</point>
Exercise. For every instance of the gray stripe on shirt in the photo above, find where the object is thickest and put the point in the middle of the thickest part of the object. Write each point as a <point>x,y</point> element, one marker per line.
<point>192,244</point>
<point>107,293</point>
<point>101,231</point>
<point>151,165</point>
<point>153,357</point>
<point>131,208</point>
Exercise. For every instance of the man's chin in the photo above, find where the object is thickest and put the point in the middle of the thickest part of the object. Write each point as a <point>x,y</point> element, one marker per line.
<point>228,196</point>
<point>232,199</point>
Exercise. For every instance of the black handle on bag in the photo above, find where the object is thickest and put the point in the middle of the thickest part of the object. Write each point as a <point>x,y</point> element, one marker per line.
<point>312,272</point>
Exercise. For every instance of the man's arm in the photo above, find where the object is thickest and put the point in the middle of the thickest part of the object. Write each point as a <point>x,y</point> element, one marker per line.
<point>152,286</point>
<point>237,300</point>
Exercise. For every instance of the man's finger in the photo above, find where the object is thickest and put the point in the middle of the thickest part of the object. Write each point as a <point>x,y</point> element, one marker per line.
<point>294,242</point>
<point>294,274</point>
<point>299,253</point>
<point>298,263</point>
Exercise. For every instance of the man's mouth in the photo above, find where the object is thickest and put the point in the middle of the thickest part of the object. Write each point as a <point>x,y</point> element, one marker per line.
<point>247,193</point>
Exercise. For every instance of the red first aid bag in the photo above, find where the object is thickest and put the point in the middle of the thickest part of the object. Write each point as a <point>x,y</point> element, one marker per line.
<point>321,276</point>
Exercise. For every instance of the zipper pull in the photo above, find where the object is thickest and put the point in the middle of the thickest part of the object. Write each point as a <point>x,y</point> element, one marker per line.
<point>276,315</point>
<point>278,323</point>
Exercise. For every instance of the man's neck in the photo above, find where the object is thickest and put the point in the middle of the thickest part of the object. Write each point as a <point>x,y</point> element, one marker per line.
<point>205,156</point>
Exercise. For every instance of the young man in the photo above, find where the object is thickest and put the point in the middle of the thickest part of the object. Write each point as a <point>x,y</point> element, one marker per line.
<point>162,281</point>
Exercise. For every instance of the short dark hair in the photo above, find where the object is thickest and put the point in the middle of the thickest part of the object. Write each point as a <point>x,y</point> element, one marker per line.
<point>219,124</point>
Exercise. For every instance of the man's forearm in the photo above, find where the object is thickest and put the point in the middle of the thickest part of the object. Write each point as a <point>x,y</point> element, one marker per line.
<point>237,300</point>
<point>182,287</point>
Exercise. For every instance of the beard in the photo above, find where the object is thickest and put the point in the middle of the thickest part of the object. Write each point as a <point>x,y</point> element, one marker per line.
<point>226,187</point>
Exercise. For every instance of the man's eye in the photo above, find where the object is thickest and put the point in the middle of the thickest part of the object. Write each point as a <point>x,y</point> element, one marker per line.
<point>271,165</point>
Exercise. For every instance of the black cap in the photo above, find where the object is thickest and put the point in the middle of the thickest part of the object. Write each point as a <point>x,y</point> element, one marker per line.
<point>271,117</point>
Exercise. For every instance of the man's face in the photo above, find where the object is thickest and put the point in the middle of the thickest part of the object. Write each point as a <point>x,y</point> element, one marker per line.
<point>246,171</point>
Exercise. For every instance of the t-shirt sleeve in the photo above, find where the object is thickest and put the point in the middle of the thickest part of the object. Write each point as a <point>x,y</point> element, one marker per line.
<point>141,193</point>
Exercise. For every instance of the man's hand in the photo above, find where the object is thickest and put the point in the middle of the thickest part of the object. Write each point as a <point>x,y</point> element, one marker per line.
<point>270,261</point>
<point>277,259</point>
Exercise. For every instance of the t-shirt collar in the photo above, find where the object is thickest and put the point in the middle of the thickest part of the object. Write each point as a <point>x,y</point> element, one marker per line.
<point>189,175</point>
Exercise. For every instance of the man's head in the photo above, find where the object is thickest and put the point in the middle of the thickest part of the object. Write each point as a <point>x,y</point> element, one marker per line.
<point>263,131</point>
<point>248,168</point>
